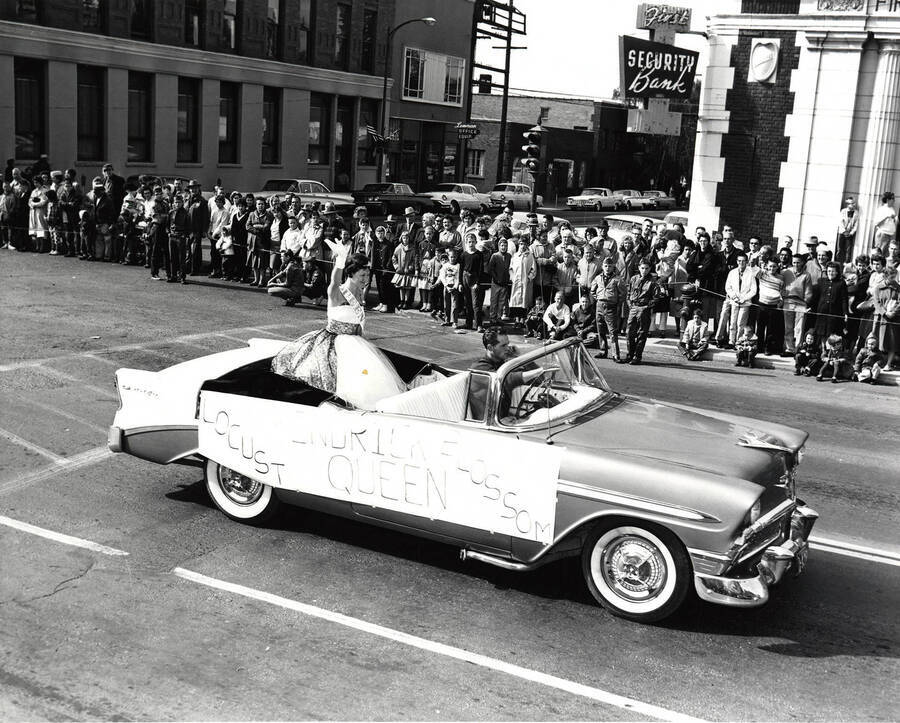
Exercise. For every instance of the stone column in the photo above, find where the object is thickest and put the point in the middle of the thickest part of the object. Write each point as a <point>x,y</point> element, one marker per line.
<point>877,175</point>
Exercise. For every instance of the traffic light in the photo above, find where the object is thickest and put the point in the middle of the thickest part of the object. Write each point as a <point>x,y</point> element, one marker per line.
<point>532,149</point>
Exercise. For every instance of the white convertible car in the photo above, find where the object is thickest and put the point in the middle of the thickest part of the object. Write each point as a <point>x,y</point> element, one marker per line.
<point>656,499</point>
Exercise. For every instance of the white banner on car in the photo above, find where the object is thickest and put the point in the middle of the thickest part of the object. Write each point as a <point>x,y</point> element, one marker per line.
<point>438,471</point>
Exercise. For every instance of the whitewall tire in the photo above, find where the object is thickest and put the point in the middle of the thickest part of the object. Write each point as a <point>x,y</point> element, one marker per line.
<point>636,570</point>
<point>239,497</point>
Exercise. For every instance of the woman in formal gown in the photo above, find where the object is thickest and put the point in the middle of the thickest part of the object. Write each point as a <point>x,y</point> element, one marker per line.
<point>338,358</point>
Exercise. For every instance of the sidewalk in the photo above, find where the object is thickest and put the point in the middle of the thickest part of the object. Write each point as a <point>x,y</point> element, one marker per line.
<point>667,350</point>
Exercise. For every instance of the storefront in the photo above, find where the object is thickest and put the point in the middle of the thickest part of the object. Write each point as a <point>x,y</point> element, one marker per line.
<point>424,154</point>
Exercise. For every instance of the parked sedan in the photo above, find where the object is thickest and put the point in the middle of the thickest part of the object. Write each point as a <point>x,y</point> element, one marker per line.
<point>518,193</point>
<point>455,197</point>
<point>595,198</point>
<point>656,499</point>
<point>661,199</point>
<point>380,199</point>
<point>309,191</point>
<point>628,198</point>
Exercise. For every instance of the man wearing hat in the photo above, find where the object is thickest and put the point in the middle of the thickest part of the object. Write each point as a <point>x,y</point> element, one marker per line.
<point>114,185</point>
<point>70,198</point>
<point>412,227</point>
<point>199,216</point>
<point>105,213</point>
<point>810,249</point>
<point>333,223</point>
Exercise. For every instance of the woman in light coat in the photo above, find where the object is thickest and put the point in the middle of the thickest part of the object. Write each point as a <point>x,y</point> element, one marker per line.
<point>521,276</point>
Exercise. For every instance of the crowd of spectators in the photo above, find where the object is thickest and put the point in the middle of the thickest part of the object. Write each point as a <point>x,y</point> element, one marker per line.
<point>839,321</point>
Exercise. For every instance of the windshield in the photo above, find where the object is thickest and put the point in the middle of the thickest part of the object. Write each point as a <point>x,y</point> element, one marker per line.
<point>570,383</point>
<point>593,192</point>
<point>504,187</point>
<point>282,184</point>
<point>446,187</point>
<point>378,187</point>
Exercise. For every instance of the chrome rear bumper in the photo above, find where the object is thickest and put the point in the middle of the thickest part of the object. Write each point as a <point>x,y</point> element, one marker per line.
<point>775,562</point>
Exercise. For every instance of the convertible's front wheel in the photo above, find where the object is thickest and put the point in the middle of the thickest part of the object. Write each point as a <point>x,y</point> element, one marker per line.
<point>239,497</point>
<point>637,571</point>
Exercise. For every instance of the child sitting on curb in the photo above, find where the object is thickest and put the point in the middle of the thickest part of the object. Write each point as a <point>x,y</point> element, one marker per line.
<point>869,363</point>
<point>834,361</point>
<point>806,360</point>
<point>695,339</point>
<point>746,347</point>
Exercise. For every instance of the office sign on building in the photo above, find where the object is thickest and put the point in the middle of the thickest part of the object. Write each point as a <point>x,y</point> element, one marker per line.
<point>656,70</point>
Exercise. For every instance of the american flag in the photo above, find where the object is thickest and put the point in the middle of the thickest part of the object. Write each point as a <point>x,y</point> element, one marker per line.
<point>378,138</point>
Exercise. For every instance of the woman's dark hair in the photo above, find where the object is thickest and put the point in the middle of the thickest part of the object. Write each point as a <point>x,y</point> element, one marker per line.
<point>491,336</point>
<point>288,254</point>
<point>833,265</point>
<point>887,196</point>
<point>786,252</point>
<point>877,258</point>
<point>861,259</point>
<point>355,262</point>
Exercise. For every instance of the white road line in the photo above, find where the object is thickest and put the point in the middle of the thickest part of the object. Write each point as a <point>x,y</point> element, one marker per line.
<point>134,347</point>
<point>110,393</point>
<point>60,413</point>
<point>64,464</point>
<point>849,549</point>
<point>601,696</point>
<point>59,537</point>
<point>99,358</point>
<point>30,446</point>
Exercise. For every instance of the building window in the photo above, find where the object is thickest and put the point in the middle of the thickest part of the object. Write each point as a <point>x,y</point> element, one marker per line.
<point>342,36</point>
<point>229,25</point>
<point>433,77</point>
<point>228,122</point>
<point>414,74</point>
<point>28,11</point>
<point>365,146</point>
<point>142,19</point>
<point>319,128</point>
<point>475,162</point>
<point>30,90</point>
<point>193,23</point>
<point>272,18</point>
<point>140,117</point>
<point>370,32</point>
<point>271,119</point>
<point>304,51</point>
<point>93,16</point>
<point>453,80</point>
<point>188,121</point>
<point>91,111</point>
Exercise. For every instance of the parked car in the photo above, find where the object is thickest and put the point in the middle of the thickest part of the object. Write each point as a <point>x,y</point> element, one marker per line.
<point>657,499</point>
<point>677,217</point>
<point>661,199</point>
<point>454,197</point>
<point>628,198</point>
<point>597,198</point>
<point>309,191</point>
<point>380,199</point>
<point>518,193</point>
<point>621,224</point>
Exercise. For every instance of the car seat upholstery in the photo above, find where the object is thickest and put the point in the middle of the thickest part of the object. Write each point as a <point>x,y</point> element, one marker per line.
<point>444,400</point>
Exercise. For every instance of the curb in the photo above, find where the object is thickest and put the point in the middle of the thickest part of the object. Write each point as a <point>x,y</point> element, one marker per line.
<point>669,348</point>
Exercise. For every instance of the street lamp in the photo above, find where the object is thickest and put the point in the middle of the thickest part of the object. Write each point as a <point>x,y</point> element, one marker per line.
<point>387,67</point>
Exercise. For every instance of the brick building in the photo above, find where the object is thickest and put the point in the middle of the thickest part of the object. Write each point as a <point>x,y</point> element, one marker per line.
<point>800,108</point>
<point>238,90</point>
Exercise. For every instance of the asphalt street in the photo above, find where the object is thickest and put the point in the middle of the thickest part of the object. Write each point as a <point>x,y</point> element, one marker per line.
<point>126,595</point>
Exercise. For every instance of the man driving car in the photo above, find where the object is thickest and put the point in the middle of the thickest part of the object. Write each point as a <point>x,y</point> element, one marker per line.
<point>500,351</point>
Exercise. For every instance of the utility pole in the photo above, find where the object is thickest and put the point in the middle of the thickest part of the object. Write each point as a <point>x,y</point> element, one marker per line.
<point>501,150</point>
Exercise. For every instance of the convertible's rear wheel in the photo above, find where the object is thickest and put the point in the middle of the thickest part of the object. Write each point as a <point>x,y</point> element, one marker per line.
<point>239,497</point>
<point>637,571</point>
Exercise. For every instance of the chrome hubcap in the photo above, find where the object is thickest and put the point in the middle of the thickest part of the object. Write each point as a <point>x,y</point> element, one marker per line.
<point>240,489</point>
<point>633,568</point>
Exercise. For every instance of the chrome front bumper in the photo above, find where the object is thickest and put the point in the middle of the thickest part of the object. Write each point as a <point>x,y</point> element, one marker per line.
<point>775,562</point>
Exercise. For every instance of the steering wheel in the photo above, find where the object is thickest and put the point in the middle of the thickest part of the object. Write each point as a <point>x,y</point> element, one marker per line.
<point>528,406</point>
